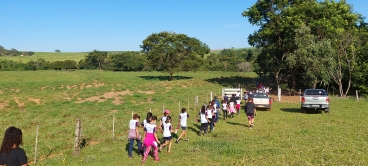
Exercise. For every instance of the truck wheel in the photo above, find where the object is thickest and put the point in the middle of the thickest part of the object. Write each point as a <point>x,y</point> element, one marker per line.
<point>327,110</point>
<point>303,110</point>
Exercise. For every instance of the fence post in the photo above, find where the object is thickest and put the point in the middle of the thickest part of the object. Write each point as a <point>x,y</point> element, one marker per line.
<point>279,93</point>
<point>77,137</point>
<point>357,97</point>
<point>113,126</point>
<point>196,102</point>
<point>300,97</point>
<point>188,104</point>
<point>35,157</point>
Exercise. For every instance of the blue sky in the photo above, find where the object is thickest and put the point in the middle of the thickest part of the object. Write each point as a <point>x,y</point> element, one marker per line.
<point>122,25</point>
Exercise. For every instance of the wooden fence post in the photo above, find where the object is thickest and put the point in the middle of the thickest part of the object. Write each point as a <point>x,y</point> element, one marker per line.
<point>77,136</point>
<point>36,144</point>
<point>357,97</point>
<point>113,126</point>
<point>300,97</point>
<point>188,104</point>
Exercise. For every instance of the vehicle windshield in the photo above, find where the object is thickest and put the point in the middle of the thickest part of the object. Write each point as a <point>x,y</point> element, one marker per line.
<point>260,95</point>
<point>315,92</point>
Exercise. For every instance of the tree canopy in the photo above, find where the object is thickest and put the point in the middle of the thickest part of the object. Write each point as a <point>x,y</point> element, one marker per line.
<point>172,52</point>
<point>285,54</point>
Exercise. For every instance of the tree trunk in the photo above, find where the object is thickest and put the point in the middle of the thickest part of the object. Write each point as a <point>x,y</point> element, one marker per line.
<point>314,85</point>
<point>171,77</point>
<point>293,79</point>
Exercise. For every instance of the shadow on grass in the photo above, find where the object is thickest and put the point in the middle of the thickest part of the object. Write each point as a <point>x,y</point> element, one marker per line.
<point>165,78</point>
<point>234,123</point>
<point>233,81</point>
<point>298,110</point>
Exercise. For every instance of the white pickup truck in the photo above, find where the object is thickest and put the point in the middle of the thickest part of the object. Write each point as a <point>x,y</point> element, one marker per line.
<point>316,99</point>
<point>261,100</point>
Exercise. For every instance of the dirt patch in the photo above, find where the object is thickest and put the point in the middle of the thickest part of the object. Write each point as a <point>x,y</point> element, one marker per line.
<point>37,101</point>
<point>114,111</point>
<point>15,90</point>
<point>20,104</point>
<point>95,83</point>
<point>4,104</point>
<point>93,142</point>
<point>286,99</point>
<point>147,92</point>
<point>108,95</point>
<point>72,86</point>
<point>44,87</point>
<point>1,92</point>
<point>168,89</point>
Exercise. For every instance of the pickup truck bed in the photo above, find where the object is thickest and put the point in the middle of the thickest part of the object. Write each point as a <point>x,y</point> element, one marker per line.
<point>316,99</point>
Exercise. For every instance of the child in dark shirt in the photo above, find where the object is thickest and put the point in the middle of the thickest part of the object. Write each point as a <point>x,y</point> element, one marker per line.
<point>10,153</point>
<point>250,110</point>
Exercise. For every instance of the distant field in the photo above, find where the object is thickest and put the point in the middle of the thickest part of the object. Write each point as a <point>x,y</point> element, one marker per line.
<point>48,56</point>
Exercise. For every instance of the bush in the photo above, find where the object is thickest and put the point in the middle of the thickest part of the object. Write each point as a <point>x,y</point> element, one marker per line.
<point>57,65</point>
<point>69,64</point>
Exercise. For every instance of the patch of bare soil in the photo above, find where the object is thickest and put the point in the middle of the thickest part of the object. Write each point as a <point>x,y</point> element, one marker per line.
<point>93,142</point>
<point>108,95</point>
<point>149,100</point>
<point>20,104</point>
<point>15,90</point>
<point>1,92</point>
<point>286,99</point>
<point>72,86</point>
<point>37,101</point>
<point>4,104</point>
<point>114,111</point>
<point>94,84</point>
<point>44,87</point>
<point>146,92</point>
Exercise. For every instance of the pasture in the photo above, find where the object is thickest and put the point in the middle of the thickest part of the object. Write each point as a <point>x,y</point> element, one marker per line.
<point>55,99</point>
<point>49,56</point>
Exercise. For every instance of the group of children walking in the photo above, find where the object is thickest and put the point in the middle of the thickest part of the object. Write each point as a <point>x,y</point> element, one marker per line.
<point>150,133</point>
<point>207,116</point>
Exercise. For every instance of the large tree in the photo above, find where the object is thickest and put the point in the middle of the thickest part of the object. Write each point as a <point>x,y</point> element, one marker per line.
<point>314,56</point>
<point>172,52</point>
<point>278,19</point>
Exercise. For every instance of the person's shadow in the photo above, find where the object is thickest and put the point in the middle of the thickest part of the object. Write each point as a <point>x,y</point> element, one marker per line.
<point>233,123</point>
<point>195,128</point>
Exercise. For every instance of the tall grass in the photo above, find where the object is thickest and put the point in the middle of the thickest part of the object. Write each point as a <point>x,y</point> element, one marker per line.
<point>282,136</point>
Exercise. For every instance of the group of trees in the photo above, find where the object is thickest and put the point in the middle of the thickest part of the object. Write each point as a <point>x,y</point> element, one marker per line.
<point>311,43</point>
<point>13,52</point>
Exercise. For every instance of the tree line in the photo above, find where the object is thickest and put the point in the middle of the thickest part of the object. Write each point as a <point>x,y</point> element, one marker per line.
<point>225,60</point>
<point>14,52</point>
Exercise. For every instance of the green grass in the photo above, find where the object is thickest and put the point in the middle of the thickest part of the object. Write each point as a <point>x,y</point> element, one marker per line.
<point>48,56</point>
<point>283,136</point>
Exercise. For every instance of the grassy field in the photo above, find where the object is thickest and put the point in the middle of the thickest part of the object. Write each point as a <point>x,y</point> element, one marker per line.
<point>53,100</point>
<point>48,56</point>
